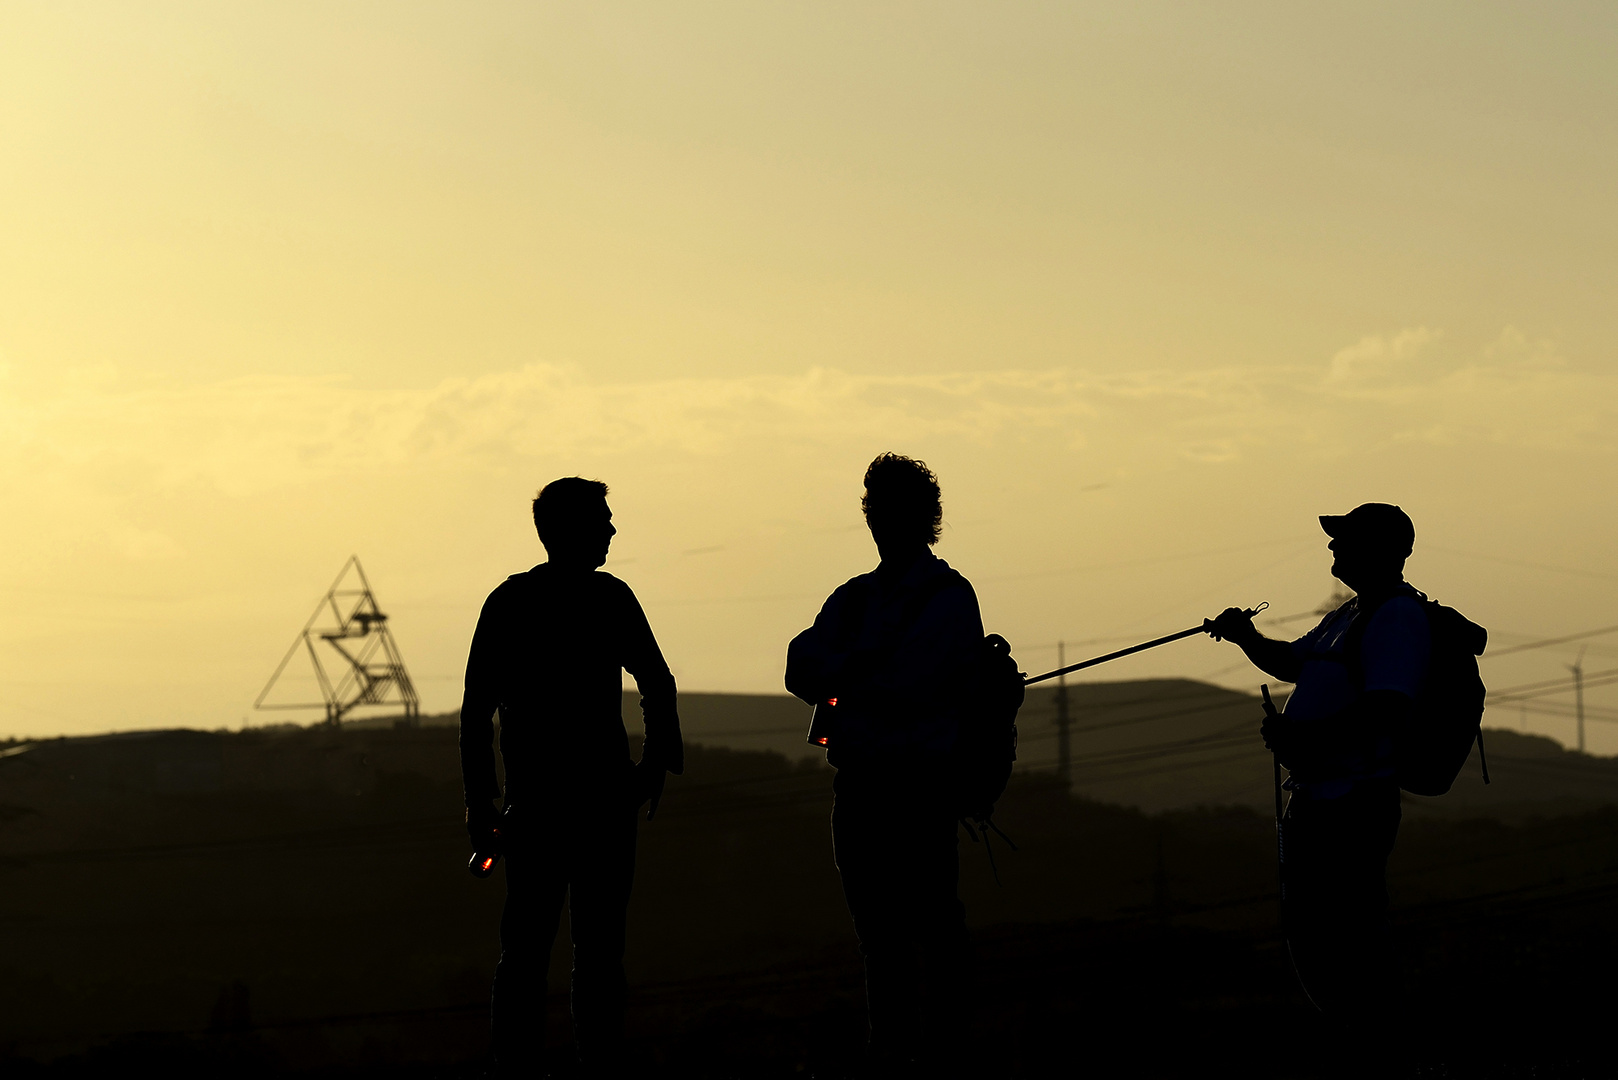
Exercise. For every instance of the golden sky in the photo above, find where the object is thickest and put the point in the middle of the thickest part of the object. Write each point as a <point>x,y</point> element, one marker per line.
<point>1150,285</point>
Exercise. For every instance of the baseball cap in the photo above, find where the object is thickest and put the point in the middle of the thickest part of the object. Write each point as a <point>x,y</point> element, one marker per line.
<point>1382,525</point>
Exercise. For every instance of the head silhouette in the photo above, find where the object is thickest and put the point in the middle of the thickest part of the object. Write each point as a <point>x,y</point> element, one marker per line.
<point>1369,545</point>
<point>574,522</point>
<point>902,506</point>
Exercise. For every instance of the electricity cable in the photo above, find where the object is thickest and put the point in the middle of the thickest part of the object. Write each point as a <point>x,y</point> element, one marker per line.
<point>1550,641</point>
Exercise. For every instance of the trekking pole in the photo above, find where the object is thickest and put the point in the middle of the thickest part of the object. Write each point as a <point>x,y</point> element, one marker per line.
<point>1280,838</point>
<point>1206,627</point>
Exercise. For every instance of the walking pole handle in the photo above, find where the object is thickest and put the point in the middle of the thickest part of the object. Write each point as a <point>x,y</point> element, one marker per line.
<point>1207,624</point>
<point>1275,760</point>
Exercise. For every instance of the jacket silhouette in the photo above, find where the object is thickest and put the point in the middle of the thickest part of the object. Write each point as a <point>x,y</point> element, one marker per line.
<point>548,654</point>
<point>889,664</point>
<point>1336,738</point>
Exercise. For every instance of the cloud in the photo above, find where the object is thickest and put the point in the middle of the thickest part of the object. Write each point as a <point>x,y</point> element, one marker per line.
<point>1376,355</point>
<point>246,436</point>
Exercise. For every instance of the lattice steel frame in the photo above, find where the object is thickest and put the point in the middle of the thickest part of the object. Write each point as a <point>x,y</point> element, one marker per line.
<point>365,678</point>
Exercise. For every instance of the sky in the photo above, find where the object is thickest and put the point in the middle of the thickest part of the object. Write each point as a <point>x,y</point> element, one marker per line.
<point>1150,286</point>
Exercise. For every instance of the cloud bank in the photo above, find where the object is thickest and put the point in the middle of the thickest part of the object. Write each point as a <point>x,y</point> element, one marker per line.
<point>243,436</point>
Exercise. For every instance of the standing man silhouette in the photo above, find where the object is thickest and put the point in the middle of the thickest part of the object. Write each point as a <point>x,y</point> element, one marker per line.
<point>1358,675</point>
<point>549,651</point>
<point>889,664</point>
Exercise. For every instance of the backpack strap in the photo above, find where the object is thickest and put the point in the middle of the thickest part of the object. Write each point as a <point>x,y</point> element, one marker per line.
<point>1354,638</point>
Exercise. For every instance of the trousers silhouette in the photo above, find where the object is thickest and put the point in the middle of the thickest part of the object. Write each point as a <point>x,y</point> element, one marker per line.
<point>1336,902</point>
<point>584,856</point>
<point>897,851</point>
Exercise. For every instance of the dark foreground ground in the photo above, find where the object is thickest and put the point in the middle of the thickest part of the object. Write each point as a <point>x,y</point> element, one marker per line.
<point>193,904</point>
<point>1136,999</point>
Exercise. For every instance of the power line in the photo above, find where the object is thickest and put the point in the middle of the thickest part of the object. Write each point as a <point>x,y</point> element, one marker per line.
<point>1222,586</point>
<point>1132,720</point>
<point>1551,641</point>
<point>1522,562</point>
<point>1564,711</point>
<point>1217,741</point>
<point>1254,752</point>
<point>1552,686</point>
<point>1210,706</point>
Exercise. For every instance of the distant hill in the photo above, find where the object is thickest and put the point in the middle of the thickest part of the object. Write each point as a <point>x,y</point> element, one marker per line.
<point>1167,744</point>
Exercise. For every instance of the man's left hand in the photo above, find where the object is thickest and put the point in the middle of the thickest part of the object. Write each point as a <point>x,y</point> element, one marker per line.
<point>650,777</point>
<point>1233,625</point>
<point>483,825</point>
<point>1282,737</point>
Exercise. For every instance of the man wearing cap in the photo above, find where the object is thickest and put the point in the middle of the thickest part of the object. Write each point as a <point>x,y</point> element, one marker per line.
<point>1357,675</point>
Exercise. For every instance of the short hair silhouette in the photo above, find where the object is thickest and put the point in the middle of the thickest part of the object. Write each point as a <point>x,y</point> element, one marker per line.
<point>902,495</point>
<point>561,500</point>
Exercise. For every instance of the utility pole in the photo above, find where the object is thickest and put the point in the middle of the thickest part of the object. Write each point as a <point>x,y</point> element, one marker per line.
<point>1064,746</point>
<point>1577,668</point>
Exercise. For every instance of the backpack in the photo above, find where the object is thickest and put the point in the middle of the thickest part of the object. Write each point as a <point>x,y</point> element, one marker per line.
<point>1448,714</point>
<point>980,766</point>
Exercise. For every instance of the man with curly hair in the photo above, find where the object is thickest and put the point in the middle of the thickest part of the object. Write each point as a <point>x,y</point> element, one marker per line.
<point>889,664</point>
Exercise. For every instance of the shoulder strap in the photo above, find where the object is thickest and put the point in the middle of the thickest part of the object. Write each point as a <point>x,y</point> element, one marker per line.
<point>1354,638</point>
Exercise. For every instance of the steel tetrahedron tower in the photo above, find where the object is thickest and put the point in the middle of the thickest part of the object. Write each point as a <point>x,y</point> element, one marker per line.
<point>349,631</point>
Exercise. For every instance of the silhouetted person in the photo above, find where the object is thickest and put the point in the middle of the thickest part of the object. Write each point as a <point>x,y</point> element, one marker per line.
<point>1358,675</point>
<point>549,651</point>
<point>896,650</point>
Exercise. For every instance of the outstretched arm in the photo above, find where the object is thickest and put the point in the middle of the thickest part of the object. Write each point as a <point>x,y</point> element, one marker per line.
<point>1273,657</point>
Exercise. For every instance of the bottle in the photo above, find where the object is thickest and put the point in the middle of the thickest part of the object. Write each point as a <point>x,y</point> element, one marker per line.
<point>484,862</point>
